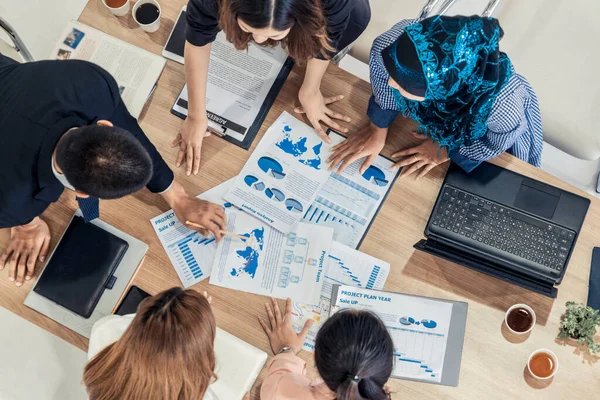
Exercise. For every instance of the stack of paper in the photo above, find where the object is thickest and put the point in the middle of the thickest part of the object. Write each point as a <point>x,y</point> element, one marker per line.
<point>288,252</point>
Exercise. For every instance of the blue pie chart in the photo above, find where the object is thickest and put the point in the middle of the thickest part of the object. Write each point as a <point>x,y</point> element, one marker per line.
<point>250,180</point>
<point>294,205</point>
<point>427,323</point>
<point>275,194</point>
<point>375,176</point>
<point>253,182</point>
<point>271,166</point>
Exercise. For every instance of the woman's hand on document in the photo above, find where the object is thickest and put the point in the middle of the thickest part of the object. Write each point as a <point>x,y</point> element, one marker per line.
<point>279,328</point>
<point>28,243</point>
<point>368,142</point>
<point>189,140</point>
<point>314,105</point>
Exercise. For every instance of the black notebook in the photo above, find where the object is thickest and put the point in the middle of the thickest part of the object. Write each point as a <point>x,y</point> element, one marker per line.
<point>81,267</point>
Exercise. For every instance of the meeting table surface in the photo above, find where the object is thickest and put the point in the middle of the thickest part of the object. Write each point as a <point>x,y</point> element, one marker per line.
<point>493,359</point>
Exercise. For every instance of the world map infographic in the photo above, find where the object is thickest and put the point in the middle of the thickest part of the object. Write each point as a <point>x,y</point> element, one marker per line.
<point>299,150</point>
<point>251,254</point>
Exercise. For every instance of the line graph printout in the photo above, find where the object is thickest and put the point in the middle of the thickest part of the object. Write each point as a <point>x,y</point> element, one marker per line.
<point>283,175</point>
<point>190,253</point>
<point>271,263</point>
<point>418,326</point>
<point>346,266</point>
<point>349,202</point>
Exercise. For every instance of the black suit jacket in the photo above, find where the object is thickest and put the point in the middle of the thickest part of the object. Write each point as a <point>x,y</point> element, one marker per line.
<point>39,102</point>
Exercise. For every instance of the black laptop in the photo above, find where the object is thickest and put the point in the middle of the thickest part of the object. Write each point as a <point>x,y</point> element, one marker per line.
<point>506,225</point>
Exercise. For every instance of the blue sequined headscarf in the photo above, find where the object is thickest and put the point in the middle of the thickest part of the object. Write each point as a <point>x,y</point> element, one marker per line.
<point>459,70</point>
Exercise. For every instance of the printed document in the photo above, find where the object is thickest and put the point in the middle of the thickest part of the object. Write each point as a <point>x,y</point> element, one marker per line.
<point>191,254</point>
<point>269,262</point>
<point>350,201</point>
<point>418,326</point>
<point>238,84</point>
<point>346,266</point>
<point>283,175</point>
<point>135,70</point>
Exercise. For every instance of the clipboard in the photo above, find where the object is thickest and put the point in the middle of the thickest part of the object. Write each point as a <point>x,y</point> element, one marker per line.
<point>217,128</point>
<point>218,124</point>
<point>454,344</point>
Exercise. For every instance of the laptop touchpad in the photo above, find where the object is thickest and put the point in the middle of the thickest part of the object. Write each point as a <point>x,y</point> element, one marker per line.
<point>537,199</point>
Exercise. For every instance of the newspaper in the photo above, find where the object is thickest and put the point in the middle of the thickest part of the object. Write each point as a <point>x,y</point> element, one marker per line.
<point>135,70</point>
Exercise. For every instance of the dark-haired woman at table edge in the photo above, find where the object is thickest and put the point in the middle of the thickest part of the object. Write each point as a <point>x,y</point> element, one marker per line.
<point>312,31</point>
<point>448,74</point>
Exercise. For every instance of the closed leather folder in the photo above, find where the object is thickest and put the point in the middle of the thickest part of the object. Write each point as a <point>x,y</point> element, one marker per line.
<point>81,267</point>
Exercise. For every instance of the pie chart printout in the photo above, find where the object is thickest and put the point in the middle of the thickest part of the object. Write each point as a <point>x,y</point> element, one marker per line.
<point>375,176</point>
<point>294,205</point>
<point>271,166</point>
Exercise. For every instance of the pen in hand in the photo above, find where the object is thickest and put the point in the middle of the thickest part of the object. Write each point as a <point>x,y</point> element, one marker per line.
<point>235,235</point>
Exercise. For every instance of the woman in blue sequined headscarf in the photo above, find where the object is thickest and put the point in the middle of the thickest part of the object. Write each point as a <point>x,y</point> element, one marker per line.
<point>448,74</point>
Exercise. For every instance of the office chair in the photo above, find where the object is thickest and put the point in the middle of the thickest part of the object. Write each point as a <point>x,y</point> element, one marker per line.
<point>19,45</point>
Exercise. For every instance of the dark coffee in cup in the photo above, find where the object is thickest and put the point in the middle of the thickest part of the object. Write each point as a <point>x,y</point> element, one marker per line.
<point>147,13</point>
<point>519,319</point>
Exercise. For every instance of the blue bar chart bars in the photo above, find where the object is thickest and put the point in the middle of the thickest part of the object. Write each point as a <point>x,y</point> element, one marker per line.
<point>190,254</point>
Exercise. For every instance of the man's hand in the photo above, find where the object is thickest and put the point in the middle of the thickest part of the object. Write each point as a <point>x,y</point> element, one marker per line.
<point>368,142</point>
<point>187,208</point>
<point>314,105</point>
<point>423,157</point>
<point>280,330</point>
<point>189,139</point>
<point>27,244</point>
<point>211,216</point>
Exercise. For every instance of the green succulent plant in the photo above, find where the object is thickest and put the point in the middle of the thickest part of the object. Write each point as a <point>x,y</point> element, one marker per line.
<point>580,322</point>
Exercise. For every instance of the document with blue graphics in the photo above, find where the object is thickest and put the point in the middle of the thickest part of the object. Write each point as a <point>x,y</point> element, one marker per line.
<point>346,266</point>
<point>350,201</point>
<point>269,262</point>
<point>190,253</point>
<point>428,333</point>
<point>283,175</point>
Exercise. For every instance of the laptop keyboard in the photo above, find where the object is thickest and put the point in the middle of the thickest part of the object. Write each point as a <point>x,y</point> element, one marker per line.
<point>503,228</point>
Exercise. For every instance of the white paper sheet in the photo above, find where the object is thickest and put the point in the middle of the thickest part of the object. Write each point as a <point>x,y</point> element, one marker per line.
<point>283,175</point>
<point>349,202</point>
<point>418,326</point>
<point>346,266</point>
<point>271,263</point>
<point>191,254</point>
<point>237,85</point>
<point>135,70</point>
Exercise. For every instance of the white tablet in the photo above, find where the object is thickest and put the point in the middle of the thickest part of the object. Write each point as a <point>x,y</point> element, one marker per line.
<point>175,46</point>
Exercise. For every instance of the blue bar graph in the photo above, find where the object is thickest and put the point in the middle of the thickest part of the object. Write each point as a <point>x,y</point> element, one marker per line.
<point>373,277</point>
<point>347,271</point>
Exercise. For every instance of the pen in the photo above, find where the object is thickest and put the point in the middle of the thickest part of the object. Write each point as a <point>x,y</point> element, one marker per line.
<point>235,235</point>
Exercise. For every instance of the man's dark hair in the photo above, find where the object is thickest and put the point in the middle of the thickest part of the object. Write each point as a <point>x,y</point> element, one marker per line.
<point>354,354</point>
<point>104,162</point>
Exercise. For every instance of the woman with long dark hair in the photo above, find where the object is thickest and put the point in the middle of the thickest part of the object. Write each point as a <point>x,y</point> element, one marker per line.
<point>311,31</point>
<point>449,75</point>
<point>354,355</point>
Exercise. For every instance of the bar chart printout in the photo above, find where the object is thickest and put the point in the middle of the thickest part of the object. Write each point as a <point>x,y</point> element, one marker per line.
<point>346,266</point>
<point>418,326</point>
<point>349,201</point>
<point>191,254</point>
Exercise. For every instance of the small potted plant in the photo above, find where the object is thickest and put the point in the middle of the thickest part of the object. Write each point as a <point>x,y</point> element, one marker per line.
<point>579,323</point>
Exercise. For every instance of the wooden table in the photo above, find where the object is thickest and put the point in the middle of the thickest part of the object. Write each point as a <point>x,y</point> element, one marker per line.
<point>493,362</point>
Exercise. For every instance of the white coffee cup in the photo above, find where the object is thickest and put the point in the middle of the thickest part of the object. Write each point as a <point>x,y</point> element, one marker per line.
<point>119,11</point>
<point>554,361</point>
<point>525,307</point>
<point>152,27</point>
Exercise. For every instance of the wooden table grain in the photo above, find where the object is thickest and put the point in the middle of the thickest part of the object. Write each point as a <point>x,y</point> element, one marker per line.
<point>493,361</point>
